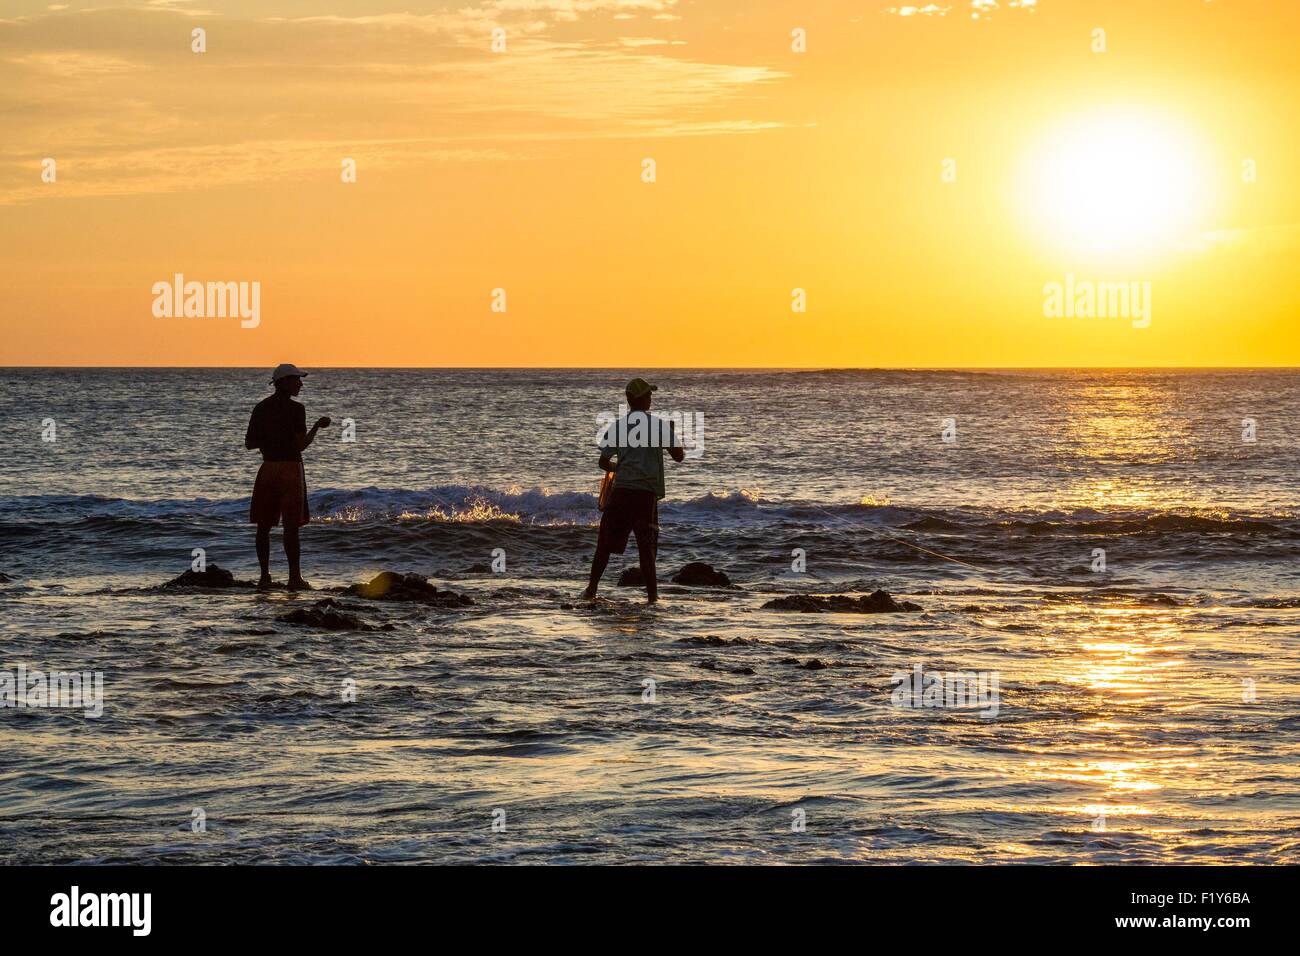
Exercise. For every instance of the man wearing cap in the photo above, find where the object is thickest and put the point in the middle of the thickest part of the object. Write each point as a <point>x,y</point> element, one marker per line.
<point>638,441</point>
<point>278,427</point>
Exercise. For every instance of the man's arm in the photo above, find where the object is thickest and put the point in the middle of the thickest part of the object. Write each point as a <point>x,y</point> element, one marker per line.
<point>607,448</point>
<point>252,437</point>
<point>306,438</point>
<point>674,449</point>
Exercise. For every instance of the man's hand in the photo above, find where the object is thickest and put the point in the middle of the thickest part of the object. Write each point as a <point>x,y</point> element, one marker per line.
<point>305,439</point>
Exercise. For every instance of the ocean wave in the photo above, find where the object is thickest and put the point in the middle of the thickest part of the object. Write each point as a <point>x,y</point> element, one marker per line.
<point>472,504</point>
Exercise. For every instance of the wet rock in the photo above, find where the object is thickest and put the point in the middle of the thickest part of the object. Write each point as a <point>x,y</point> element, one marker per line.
<point>391,586</point>
<point>878,602</point>
<point>812,664</point>
<point>715,666</point>
<point>331,616</point>
<point>212,576</point>
<point>631,577</point>
<point>712,640</point>
<point>697,574</point>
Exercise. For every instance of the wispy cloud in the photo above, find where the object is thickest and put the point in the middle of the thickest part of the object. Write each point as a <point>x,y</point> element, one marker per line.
<point>118,98</point>
<point>975,9</point>
<point>1281,239</point>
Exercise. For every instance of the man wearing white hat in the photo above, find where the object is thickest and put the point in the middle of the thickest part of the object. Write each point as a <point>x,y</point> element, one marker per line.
<point>278,428</point>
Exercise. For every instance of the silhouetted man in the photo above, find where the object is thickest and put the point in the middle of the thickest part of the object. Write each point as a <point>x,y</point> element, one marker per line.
<point>638,441</point>
<point>278,427</point>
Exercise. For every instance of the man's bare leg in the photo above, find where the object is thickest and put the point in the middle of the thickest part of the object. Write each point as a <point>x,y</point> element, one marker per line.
<point>292,552</point>
<point>598,562</point>
<point>645,550</point>
<point>264,554</point>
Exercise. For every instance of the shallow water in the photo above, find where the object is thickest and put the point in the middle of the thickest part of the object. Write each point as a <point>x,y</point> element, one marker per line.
<point>1145,713</point>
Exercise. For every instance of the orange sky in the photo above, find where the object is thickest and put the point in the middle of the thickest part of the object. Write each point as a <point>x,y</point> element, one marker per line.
<point>775,170</point>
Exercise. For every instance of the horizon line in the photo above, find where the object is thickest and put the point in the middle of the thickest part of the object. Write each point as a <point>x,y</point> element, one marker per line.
<point>681,368</point>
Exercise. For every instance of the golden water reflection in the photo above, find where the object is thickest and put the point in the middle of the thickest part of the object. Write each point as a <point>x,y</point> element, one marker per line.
<point>1127,651</point>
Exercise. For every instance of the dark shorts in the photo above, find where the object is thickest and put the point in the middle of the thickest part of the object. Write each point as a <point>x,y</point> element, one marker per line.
<point>630,511</point>
<point>280,492</point>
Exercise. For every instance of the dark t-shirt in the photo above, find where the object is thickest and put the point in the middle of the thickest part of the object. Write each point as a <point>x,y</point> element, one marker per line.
<point>274,427</point>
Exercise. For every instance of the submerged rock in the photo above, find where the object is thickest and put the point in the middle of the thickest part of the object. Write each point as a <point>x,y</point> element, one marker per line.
<point>331,616</point>
<point>697,574</point>
<point>712,640</point>
<point>391,586</point>
<point>631,577</point>
<point>212,576</point>
<point>878,602</point>
<point>812,664</point>
<point>715,666</point>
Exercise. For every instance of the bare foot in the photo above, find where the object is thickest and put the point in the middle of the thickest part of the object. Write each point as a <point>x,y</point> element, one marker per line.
<point>298,584</point>
<point>589,594</point>
<point>652,599</point>
<point>264,583</point>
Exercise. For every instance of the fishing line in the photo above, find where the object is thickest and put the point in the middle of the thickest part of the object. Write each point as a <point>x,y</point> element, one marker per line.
<point>906,544</point>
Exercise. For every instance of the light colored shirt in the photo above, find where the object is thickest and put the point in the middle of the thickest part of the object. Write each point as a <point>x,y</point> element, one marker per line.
<point>638,439</point>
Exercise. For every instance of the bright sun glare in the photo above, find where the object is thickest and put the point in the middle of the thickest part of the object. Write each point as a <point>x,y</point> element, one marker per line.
<point>1117,183</point>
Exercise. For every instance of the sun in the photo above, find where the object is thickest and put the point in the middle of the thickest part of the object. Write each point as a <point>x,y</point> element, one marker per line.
<point>1117,182</point>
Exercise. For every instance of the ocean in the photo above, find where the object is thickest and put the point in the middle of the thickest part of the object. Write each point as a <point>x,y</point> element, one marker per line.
<point>1112,554</point>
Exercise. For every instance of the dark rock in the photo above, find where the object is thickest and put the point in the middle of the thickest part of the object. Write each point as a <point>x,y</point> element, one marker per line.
<point>812,664</point>
<point>697,574</point>
<point>479,568</point>
<point>211,577</point>
<point>713,640</point>
<point>391,586</point>
<point>714,666</point>
<point>331,616</point>
<point>878,602</point>
<point>631,577</point>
